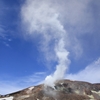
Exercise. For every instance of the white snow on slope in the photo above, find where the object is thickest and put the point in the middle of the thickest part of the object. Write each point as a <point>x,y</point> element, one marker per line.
<point>7,98</point>
<point>31,88</point>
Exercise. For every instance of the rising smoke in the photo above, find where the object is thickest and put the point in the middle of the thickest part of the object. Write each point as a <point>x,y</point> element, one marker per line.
<point>63,62</point>
<point>51,19</point>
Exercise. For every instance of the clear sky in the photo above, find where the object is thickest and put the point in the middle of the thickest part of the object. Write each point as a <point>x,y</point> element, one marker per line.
<point>36,36</point>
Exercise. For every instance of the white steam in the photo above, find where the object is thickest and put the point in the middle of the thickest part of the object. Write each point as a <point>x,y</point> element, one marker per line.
<point>59,23</point>
<point>63,62</point>
<point>42,18</point>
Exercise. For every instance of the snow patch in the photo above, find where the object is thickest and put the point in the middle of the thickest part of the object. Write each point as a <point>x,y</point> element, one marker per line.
<point>31,88</point>
<point>91,96</point>
<point>7,98</point>
<point>96,92</point>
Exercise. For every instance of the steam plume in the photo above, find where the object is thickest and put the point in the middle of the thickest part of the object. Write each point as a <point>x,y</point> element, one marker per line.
<point>41,18</point>
<point>49,18</point>
<point>63,62</point>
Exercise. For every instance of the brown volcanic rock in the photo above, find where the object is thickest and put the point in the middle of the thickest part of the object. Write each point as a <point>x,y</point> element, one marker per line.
<point>63,90</point>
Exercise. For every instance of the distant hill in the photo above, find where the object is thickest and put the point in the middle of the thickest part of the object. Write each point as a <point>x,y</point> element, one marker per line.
<point>63,90</point>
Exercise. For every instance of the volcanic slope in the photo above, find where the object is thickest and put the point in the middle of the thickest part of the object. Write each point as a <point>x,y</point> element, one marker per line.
<point>62,90</point>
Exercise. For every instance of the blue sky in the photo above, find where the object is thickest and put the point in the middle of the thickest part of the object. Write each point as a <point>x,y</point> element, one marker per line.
<point>36,36</point>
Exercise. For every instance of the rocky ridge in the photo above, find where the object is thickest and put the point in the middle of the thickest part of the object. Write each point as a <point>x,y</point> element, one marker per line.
<point>63,90</point>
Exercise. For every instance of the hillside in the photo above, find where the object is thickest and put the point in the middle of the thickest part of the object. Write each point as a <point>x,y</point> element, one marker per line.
<point>63,90</point>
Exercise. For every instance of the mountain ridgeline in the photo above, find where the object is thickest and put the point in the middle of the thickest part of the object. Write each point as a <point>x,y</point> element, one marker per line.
<point>63,90</point>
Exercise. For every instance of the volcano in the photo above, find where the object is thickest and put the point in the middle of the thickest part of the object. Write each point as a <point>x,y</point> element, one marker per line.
<point>62,90</point>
